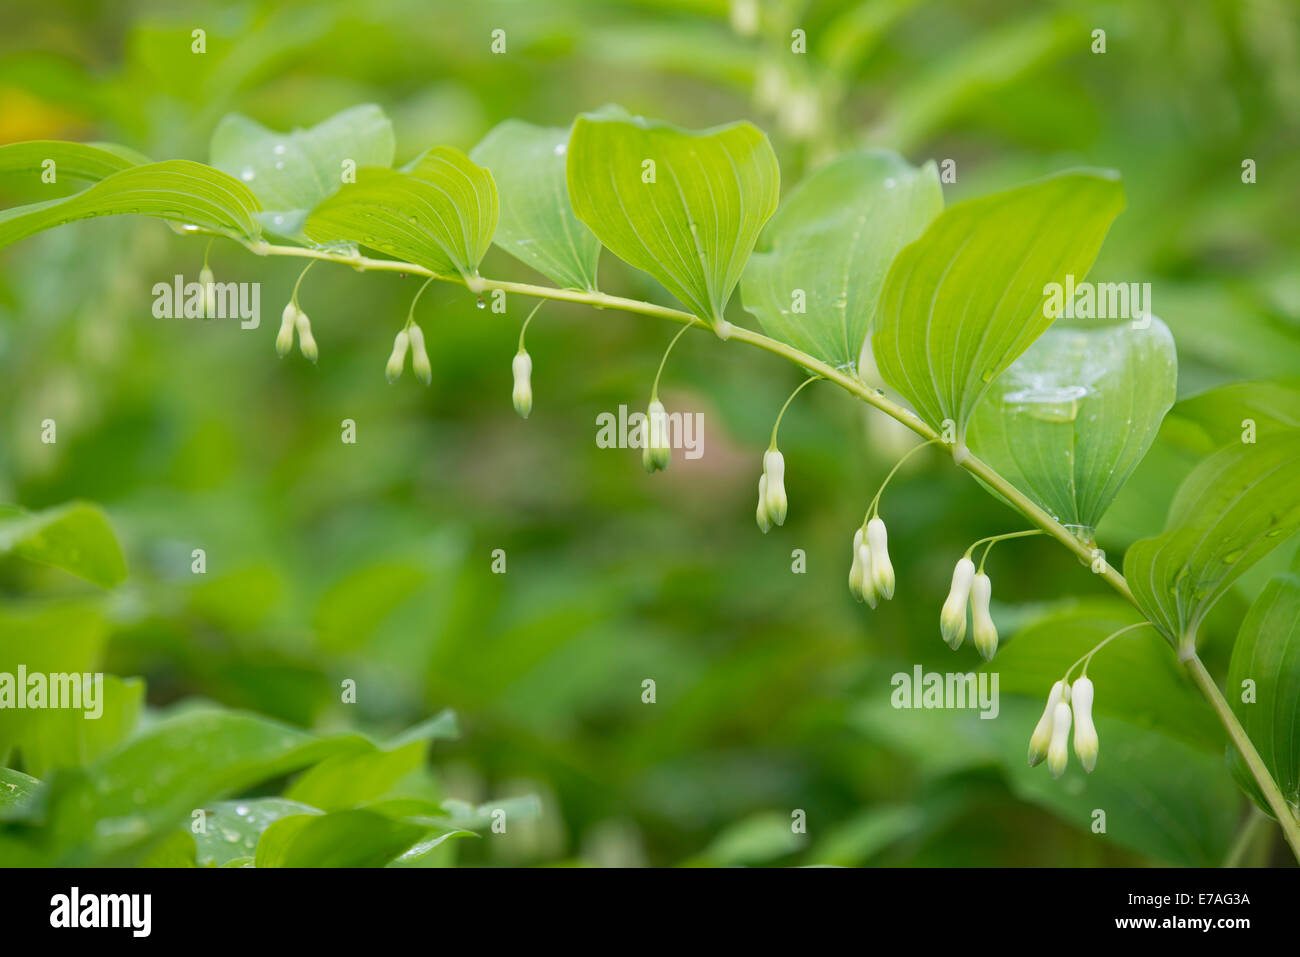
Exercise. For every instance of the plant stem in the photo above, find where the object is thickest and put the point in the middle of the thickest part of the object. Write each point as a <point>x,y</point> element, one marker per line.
<point>1272,793</point>
<point>1087,554</point>
<point>654,390</point>
<point>781,415</point>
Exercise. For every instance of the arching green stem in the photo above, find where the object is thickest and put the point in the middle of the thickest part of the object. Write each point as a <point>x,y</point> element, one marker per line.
<point>874,508</point>
<point>410,313</point>
<point>781,415</point>
<point>654,391</point>
<point>524,327</point>
<point>1087,657</point>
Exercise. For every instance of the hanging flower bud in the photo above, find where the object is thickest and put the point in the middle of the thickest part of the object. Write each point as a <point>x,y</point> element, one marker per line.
<point>774,469</point>
<point>419,358</point>
<point>868,582</point>
<point>882,570</point>
<point>952,619</point>
<point>764,520</point>
<point>306,342</point>
<point>522,367</point>
<point>1042,736</point>
<point>1058,754</point>
<point>209,293</point>
<point>284,339</point>
<point>1085,732</point>
<point>856,571</point>
<point>982,627</point>
<point>397,361</point>
<point>657,453</point>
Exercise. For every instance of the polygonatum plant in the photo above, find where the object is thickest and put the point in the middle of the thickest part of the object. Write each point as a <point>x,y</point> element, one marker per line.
<point>860,272</point>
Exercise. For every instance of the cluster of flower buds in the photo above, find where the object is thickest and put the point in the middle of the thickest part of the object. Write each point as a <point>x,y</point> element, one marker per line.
<point>772,503</point>
<point>295,320</point>
<point>522,367</point>
<point>871,576</point>
<point>208,282</point>
<point>411,338</point>
<point>972,588</point>
<point>1066,704</point>
<point>657,452</point>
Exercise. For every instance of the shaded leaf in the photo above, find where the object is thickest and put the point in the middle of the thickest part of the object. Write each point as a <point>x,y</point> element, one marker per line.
<point>75,537</point>
<point>829,246</point>
<point>291,173</point>
<point>1235,507</point>
<point>537,223</point>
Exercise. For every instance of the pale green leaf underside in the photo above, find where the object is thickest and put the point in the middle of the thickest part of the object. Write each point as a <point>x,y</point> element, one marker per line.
<point>291,173</point>
<point>234,827</point>
<point>695,225</point>
<point>1071,418</point>
<point>440,214</point>
<point>1234,508</point>
<point>964,300</point>
<point>75,537</point>
<point>178,191</point>
<point>829,246</point>
<point>537,223</point>
<point>1267,652</point>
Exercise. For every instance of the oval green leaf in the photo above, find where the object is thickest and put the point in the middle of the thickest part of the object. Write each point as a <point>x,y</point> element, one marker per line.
<point>1267,654</point>
<point>684,206</point>
<point>1071,419</point>
<point>823,257</point>
<point>441,213</point>
<point>178,191</point>
<point>291,173</point>
<point>537,223</point>
<point>1233,509</point>
<point>963,301</point>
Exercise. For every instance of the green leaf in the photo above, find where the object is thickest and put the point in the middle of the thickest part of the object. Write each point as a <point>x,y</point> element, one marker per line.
<point>440,214</point>
<point>232,829</point>
<point>344,781</point>
<point>179,191</point>
<point>1235,507</point>
<point>537,223</point>
<point>342,839</point>
<point>72,738</point>
<point>76,538</point>
<point>1071,419</point>
<point>291,173</point>
<point>17,792</point>
<point>88,162</point>
<point>1267,653</point>
<point>1232,412</point>
<point>157,779</point>
<point>757,839</point>
<point>177,849</point>
<point>823,257</point>
<point>685,207</point>
<point>963,301</point>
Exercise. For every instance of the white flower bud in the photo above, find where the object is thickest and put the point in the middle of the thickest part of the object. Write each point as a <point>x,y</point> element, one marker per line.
<point>983,630</point>
<point>882,570</point>
<point>1085,732</point>
<point>1042,736</point>
<point>284,339</point>
<point>657,453</point>
<point>774,467</point>
<point>306,342</point>
<point>397,361</point>
<point>206,280</point>
<point>856,571</point>
<point>419,358</point>
<point>952,619</point>
<point>764,521</point>
<point>522,366</point>
<point>868,583</point>
<point>1058,754</point>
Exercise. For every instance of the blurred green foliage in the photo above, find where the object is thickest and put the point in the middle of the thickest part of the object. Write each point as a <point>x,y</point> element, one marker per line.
<point>328,562</point>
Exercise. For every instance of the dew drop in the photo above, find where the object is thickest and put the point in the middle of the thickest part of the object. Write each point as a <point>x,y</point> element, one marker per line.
<point>480,304</point>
